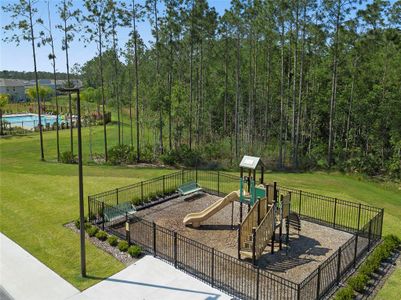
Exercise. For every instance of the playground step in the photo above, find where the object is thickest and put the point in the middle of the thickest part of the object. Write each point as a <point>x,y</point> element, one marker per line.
<point>294,221</point>
<point>246,253</point>
<point>248,244</point>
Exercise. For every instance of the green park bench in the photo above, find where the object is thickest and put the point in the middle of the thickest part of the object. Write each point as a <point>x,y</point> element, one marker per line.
<point>120,210</point>
<point>189,188</point>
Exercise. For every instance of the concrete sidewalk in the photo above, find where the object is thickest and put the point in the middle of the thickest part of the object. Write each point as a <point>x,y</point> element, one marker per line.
<point>22,276</point>
<point>151,279</point>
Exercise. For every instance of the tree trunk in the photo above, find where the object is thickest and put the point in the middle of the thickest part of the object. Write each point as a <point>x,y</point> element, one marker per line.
<point>103,94</point>
<point>42,155</point>
<point>280,156</point>
<point>68,77</point>
<point>294,85</point>
<point>138,151</point>
<point>333,87</point>
<point>55,83</point>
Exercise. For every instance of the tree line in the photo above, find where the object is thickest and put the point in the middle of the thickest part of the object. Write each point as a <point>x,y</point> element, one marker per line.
<point>301,83</point>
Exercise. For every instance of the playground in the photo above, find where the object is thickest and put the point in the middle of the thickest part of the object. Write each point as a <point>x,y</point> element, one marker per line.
<point>248,237</point>
<point>313,245</point>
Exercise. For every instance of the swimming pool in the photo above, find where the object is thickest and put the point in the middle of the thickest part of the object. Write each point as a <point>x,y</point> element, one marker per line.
<point>29,121</point>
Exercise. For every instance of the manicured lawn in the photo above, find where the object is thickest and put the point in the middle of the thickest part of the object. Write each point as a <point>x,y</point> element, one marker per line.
<point>37,198</point>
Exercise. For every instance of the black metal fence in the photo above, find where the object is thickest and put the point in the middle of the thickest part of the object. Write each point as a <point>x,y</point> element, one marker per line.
<point>227,273</point>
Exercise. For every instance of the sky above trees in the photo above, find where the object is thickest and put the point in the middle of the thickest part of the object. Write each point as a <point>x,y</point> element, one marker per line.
<point>20,58</point>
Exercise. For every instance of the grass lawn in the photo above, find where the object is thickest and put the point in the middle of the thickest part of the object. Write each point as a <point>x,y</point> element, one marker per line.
<point>37,198</point>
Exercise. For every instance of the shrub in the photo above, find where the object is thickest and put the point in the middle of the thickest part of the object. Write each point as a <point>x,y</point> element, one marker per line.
<point>358,282</point>
<point>123,246</point>
<point>112,240</point>
<point>135,251</point>
<point>136,201</point>
<point>68,157</point>
<point>147,153</point>
<point>392,240</point>
<point>183,156</point>
<point>92,230</point>
<point>345,293</point>
<point>121,154</point>
<point>77,222</point>
<point>101,235</point>
<point>367,269</point>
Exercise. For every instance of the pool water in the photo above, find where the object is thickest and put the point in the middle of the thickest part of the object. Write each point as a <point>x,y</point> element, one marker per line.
<point>29,121</point>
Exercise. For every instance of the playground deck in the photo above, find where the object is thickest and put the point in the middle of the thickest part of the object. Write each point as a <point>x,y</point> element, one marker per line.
<point>314,244</point>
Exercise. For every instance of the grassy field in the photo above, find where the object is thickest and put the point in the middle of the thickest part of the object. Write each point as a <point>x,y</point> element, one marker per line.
<point>37,198</point>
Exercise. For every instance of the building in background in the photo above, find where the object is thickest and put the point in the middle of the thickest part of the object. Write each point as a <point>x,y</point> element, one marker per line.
<point>15,88</point>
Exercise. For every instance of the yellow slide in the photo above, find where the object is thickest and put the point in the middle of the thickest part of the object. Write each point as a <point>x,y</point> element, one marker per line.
<point>196,218</point>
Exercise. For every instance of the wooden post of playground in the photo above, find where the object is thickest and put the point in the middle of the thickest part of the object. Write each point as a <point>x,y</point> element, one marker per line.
<point>239,241</point>
<point>240,212</point>
<point>254,246</point>
<point>273,235</point>
<point>232,214</point>
<point>287,229</point>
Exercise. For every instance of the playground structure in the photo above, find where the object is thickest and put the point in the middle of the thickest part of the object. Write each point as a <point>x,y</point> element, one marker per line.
<point>196,218</point>
<point>267,212</point>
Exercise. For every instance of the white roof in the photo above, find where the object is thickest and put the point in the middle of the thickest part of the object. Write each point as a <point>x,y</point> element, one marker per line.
<point>250,162</point>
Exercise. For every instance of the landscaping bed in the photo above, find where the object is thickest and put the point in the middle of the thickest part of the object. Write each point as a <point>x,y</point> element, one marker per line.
<point>122,256</point>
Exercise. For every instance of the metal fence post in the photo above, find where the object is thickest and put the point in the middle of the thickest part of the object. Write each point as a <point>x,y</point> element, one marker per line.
<point>196,174</point>
<point>154,238</point>
<point>182,176</point>
<point>127,230</point>
<point>359,216</point>
<point>257,282</point>
<point>369,234</point>
<point>164,185</point>
<point>103,215</point>
<point>89,209</point>
<point>381,222</point>
<point>212,267</point>
<point>117,195</point>
<point>356,248</point>
<point>339,265</point>
<point>300,202</point>
<point>318,282</point>
<point>141,191</point>
<point>175,249</point>
<point>218,183</point>
<point>335,212</point>
<point>299,291</point>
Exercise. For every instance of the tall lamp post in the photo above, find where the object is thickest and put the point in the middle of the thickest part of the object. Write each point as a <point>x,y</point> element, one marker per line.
<point>81,186</point>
